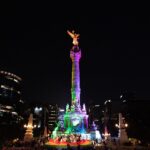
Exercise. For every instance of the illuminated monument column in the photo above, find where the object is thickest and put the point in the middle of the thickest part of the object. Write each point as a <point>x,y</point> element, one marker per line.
<point>80,122</point>
<point>75,55</point>
<point>75,119</point>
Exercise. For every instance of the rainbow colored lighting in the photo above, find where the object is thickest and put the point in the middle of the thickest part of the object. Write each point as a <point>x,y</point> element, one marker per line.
<point>73,124</point>
<point>75,55</point>
<point>56,143</point>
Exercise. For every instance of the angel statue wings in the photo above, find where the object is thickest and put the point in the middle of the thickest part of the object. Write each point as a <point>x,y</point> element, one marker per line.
<point>74,36</point>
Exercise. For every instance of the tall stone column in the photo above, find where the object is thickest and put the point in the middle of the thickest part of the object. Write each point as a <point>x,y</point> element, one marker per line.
<point>75,55</point>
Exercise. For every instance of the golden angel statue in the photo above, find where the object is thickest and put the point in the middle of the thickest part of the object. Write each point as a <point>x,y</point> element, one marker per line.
<point>74,36</point>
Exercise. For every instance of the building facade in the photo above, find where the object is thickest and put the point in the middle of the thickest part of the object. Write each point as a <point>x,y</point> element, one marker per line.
<point>11,106</point>
<point>10,98</point>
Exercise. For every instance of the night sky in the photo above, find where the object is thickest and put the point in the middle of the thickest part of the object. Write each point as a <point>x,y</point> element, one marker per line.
<point>115,53</point>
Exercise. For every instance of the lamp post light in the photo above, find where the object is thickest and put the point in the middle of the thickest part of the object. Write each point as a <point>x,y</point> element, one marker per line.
<point>121,126</point>
<point>126,125</point>
<point>116,125</point>
<point>106,135</point>
<point>30,126</point>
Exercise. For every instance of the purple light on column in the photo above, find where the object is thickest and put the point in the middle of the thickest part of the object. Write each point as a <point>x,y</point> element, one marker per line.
<point>75,55</point>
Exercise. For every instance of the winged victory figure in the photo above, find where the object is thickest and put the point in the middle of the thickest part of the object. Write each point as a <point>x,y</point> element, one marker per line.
<point>74,36</point>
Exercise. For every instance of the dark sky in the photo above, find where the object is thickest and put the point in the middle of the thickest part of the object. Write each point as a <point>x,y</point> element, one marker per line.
<point>115,53</point>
